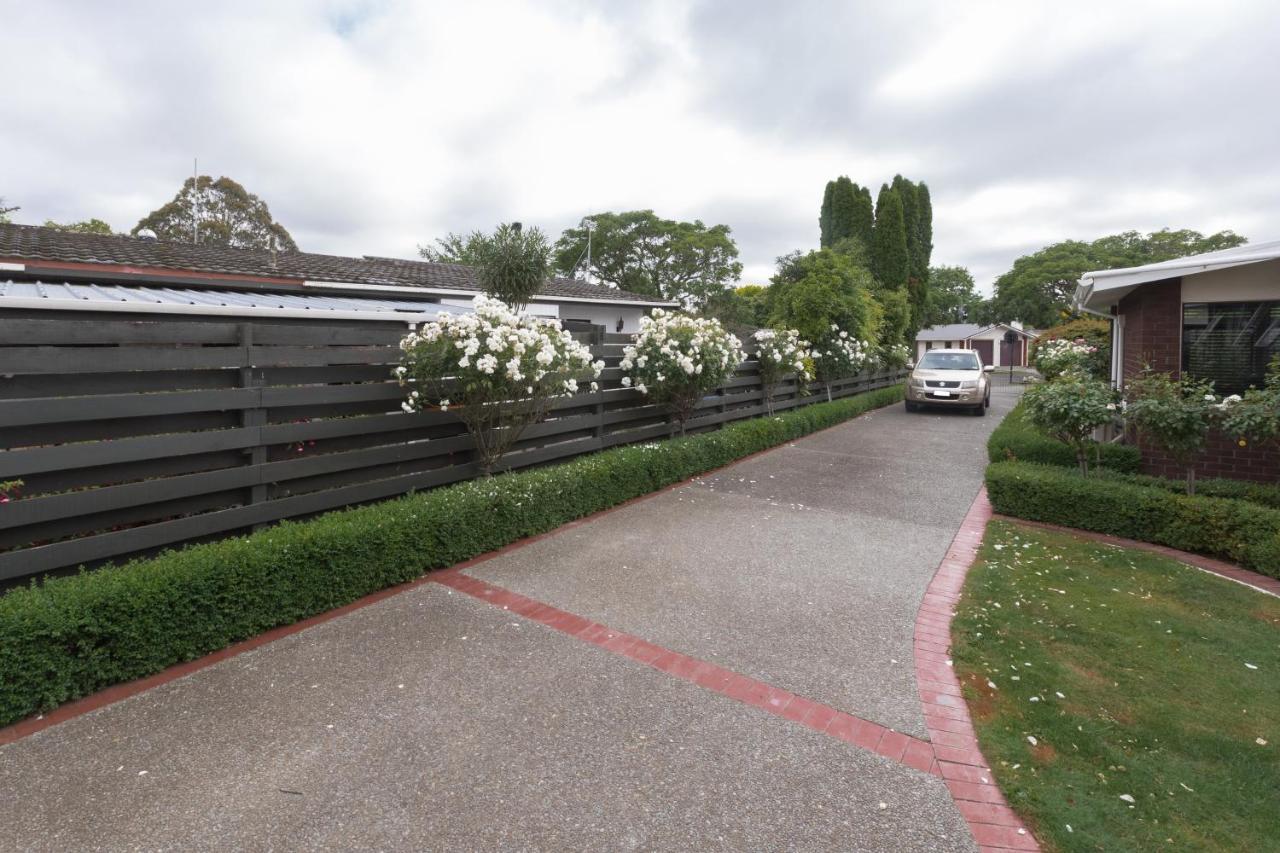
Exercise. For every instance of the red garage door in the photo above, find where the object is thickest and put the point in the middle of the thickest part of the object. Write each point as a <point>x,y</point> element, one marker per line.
<point>984,349</point>
<point>1011,353</point>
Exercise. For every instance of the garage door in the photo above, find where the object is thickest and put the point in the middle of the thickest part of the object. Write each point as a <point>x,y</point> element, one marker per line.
<point>1011,353</point>
<point>984,348</point>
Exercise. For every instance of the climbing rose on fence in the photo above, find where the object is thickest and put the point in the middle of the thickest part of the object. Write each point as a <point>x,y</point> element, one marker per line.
<point>781,353</point>
<point>1057,357</point>
<point>839,356</point>
<point>677,360</point>
<point>498,370</point>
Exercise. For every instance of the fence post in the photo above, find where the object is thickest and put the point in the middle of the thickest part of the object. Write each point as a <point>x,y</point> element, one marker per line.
<point>251,377</point>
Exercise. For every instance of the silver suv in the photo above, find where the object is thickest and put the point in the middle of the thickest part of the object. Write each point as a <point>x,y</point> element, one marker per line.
<point>950,377</point>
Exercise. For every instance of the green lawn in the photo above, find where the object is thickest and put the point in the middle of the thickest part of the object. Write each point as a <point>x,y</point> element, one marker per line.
<point>1097,674</point>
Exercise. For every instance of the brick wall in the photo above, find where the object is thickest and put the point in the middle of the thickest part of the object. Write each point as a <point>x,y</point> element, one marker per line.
<point>1153,328</point>
<point>1222,457</point>
<point>1153,336</point>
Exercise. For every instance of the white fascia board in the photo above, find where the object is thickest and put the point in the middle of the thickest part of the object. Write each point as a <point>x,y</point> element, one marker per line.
<point>8,267</point>
<point>216,310</point>
<point>449,291</point>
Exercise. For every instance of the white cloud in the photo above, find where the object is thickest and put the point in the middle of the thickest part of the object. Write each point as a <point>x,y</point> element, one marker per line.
<point>370,127</point>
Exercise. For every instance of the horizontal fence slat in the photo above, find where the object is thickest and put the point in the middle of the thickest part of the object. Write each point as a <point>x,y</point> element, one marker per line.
<point>235,425</point>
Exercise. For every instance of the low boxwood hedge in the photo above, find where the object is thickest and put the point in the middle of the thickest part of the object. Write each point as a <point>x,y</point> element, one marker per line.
<point>1017,439</point>
<point>1236,530</point>
<point>68,637</point>
<point>1264,494</point>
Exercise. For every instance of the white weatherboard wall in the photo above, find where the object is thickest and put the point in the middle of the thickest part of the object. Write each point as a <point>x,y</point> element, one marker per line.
<point>601,314</point>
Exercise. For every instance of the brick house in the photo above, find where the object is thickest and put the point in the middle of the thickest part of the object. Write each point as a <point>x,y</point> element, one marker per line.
<point>1214,316</point>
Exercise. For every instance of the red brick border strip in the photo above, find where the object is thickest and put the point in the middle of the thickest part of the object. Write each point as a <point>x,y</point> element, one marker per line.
<point>993,823</point>
<point>903,748</point>
<point>1222,569</point>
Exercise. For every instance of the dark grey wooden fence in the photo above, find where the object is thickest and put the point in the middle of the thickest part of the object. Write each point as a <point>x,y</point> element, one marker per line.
<point>132,435</point>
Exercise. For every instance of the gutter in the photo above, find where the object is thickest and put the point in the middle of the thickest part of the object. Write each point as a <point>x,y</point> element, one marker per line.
<point>42,304</point>
<point>448,291</point>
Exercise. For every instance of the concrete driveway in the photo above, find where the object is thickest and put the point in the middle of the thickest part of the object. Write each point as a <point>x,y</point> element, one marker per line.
<point>692,671</point>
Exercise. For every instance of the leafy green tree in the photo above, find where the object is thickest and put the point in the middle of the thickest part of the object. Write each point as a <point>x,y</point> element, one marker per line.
<point>924,227</point>
<point>1256,416</point>
<point>814,291</point>
<point>513,264</point>
<point>225,212</point>
<point>88,226</point>
<point>1038,289</point>
<point>636,250</point>
<point>889,257</point>
<point>864,217</point>
<point>740,307</point>
<point>953,297</point>
<point>455,249</point>
<point>5,211</point>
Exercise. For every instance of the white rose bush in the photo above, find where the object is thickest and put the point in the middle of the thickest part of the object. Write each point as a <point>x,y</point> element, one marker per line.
<point>677,360</point>
<point>1060,357</point>
<point>497,370</point>
<point>782,353</point>
<point>894,356</point>
<point>839,356</point>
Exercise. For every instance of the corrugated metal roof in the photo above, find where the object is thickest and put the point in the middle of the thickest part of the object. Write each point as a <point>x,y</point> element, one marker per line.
<point>98,295</point>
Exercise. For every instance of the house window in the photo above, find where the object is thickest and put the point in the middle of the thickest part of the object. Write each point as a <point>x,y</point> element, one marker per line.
<point>1230,343</point>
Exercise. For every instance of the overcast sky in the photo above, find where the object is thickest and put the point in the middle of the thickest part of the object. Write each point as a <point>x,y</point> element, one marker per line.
<point>370,127</point>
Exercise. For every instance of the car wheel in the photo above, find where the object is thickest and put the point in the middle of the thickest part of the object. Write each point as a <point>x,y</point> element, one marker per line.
<point>980,411</point>
<point>987,402</point>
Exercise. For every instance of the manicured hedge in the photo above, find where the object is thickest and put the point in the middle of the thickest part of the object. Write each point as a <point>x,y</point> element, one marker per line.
<point>70,636</point>
<point>1240,531</point>
<point>1016,438</point>
<point>1264,494</point>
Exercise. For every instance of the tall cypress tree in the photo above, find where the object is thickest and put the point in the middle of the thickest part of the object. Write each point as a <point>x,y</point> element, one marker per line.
<point>889,258</point>
<point>925,205</point>
<point>864,216</point>
<point>824,218</point>
<point>843,205</point>
<point>911,220</point>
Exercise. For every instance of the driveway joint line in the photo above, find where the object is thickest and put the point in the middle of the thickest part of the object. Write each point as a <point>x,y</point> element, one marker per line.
<point>900,747</point>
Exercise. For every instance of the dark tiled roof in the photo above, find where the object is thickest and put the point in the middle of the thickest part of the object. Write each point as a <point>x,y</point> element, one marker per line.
<point>34,243</point>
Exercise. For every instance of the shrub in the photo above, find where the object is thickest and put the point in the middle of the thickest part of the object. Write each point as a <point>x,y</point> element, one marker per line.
<point>677,360</point>
<point>73,635</point>
<point>1172,414</point>
<point>1263,494</point>
<point>497,369</point>
<point>1255,416</point>
<point>1093,331</point>
<point>1065,358</point>
<point>1239,531</point>
<point>838,356</point>
<point>781,353</point>
<point>1069,408</point>
<point>1017,438</point>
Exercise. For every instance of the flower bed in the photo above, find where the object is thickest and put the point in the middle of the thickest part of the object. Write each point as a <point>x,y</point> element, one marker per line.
<point>1016,438</point>
<point>74,635</point>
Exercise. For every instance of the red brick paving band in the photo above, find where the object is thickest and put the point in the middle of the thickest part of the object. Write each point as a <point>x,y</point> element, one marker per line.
<point>968,776</point>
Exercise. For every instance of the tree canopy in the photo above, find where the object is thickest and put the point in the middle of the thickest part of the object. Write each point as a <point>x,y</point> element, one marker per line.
<point>812,291</point>
<point>1038,289</point>
<point>889,253</point>
<point>455,249</point>
<point>88,226</point>
<point>514,264</point>
<point>953,297</point>
<point>228,215</point>
<point>846,213</point>
<point>636,250</point>
<point>741,307</point>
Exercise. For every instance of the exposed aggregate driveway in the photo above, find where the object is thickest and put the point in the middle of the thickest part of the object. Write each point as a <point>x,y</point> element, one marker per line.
<point>434,720</point>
